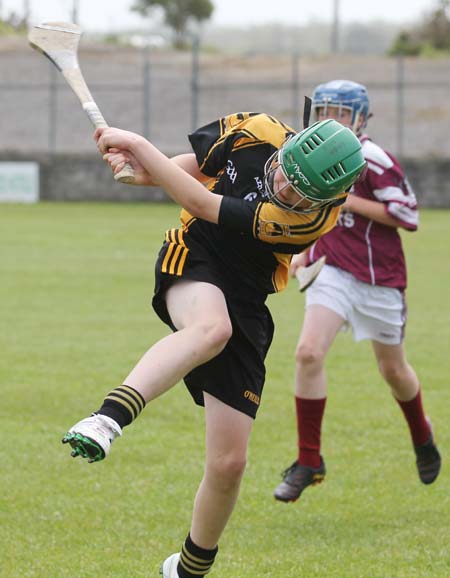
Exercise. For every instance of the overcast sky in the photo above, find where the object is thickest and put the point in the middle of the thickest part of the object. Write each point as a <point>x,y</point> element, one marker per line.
<point>104,15</point>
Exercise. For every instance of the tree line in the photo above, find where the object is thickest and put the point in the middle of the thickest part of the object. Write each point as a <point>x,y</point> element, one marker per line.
<point>430,36</point>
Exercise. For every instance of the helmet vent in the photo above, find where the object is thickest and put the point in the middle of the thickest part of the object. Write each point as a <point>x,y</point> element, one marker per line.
<point>312,143</point>
<point>333,173</point>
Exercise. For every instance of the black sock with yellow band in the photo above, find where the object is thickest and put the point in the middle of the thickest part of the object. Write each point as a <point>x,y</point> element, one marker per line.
<point>123,405</point>
<point>195,562</point>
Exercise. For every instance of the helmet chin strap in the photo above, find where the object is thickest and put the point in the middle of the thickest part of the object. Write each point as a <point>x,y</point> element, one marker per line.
<point>358,130</point>
<point>338,202</point>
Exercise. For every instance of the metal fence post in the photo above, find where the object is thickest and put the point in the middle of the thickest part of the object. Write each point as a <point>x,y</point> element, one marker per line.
<point>195,89</point>
<point>400,103</point>
<point>146,92</point>
<point>52,108</point>
<point>295,90</point>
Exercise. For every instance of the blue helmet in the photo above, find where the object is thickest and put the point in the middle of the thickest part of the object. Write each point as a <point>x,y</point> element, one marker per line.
<point>345,94</point>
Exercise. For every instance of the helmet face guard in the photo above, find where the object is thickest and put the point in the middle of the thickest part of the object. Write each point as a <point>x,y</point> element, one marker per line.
<point>270,168</point>
<point>344,95</point>
<point>319,164</point>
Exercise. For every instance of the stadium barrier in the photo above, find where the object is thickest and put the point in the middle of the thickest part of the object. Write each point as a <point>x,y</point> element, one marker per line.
<point>85,177</point>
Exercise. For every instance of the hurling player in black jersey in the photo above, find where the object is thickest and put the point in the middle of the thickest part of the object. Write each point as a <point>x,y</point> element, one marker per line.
<point>252,194</point>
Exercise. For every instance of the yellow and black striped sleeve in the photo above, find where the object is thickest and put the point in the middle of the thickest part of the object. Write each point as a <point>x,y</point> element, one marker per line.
<point>290,232</point>
<point>274,225</point>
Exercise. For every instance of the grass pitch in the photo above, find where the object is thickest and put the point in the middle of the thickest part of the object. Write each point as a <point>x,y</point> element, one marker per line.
<point>76,284</point>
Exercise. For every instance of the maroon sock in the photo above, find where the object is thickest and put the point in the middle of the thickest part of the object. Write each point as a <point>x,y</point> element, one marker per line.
<point>416,418</point>
<point>309,422</point>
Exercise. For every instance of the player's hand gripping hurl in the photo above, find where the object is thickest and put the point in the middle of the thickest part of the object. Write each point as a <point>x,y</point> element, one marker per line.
<point>118,156</point>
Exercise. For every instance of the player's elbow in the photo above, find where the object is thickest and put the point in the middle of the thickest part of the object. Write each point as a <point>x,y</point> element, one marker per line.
<point>205,207</point>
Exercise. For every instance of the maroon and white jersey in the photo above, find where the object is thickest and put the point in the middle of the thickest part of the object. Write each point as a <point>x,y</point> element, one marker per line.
<point>370,251</point>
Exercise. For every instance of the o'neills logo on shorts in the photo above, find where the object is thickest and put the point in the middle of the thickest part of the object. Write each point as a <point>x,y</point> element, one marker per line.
<point>252,397</point>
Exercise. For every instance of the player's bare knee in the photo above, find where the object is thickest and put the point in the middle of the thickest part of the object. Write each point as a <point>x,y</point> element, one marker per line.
<point>216,332</point>
<point>308,355</point>
<point>393,373</point>
<point>227,471</point>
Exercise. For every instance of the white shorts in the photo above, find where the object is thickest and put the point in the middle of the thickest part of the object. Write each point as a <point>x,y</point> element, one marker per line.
<point>372,312</point>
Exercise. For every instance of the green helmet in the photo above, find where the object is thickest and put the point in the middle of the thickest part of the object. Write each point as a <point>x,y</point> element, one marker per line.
<point>320,163</point>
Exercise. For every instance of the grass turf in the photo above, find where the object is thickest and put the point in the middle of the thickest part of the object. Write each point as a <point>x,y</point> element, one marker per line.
<point>76,284</point>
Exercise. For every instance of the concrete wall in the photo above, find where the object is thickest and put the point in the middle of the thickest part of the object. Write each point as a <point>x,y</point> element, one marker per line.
<point>430,179</point>
<point>85,177</point>
<point>82,177</point>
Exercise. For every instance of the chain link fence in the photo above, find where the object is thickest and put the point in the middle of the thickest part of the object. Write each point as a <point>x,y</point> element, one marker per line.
<point>164,95</point>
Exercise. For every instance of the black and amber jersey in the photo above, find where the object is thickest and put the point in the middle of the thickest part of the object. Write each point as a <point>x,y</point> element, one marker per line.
<point>254,239</point>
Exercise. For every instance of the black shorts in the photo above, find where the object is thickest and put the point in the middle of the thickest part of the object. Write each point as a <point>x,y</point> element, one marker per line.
<point>236,376</point>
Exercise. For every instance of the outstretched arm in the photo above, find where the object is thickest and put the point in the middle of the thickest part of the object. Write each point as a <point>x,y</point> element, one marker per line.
<point>188,163</point>
<point>373,210</point>
<point>181,186</point>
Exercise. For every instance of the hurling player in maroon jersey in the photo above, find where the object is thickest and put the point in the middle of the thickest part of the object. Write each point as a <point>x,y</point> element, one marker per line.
<point>362,286</point>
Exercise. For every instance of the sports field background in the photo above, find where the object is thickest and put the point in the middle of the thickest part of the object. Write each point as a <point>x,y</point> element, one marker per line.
<point>76,283</point>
